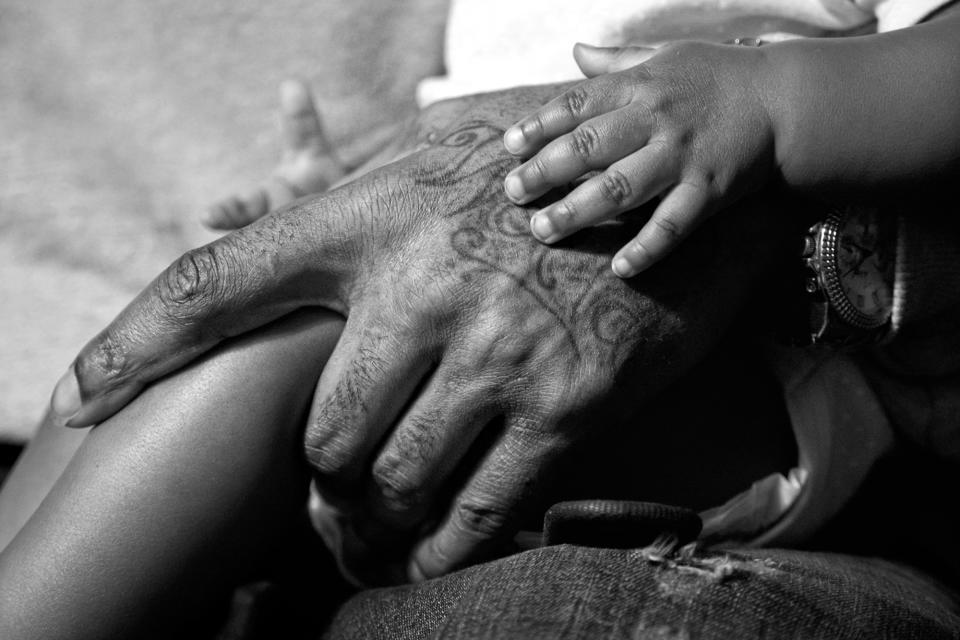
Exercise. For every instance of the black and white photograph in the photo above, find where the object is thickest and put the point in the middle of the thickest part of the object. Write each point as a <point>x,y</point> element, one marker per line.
<point>480,319</point>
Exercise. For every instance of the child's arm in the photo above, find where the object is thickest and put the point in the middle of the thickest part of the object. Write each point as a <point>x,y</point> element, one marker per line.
<point>879,111</point>
<point>702,125</point>
<point>176,499</point>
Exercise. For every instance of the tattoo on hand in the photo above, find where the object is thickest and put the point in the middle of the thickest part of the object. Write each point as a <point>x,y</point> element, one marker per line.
<point>572,281</point>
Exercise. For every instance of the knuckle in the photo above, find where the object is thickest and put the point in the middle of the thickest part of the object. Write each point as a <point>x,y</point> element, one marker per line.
<point>348,404</point>
<point>668,227</point>
<point>537,169</point>
<point>106,361</point>
<point>195,278</point>
<point>639,248</point>
<point>417,440</point>
<point>584,142</point>
<point>479,519</point>
<point>398,490</point>
<point>567,213</point>
<point>640,77</point>
<point>575,101</point>
<point>533,128</point>
<point>326,449</point>
<point>328,458</point>
<point>688,48</point>
<point>615,188</point>
<point>314,454</point>
<point>709,182</point>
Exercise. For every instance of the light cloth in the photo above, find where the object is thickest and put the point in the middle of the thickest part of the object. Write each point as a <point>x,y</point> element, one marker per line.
<point>495,44</point>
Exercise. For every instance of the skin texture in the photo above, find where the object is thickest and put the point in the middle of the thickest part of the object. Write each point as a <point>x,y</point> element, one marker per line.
<point>200,482</point>
<point>703,124</point>
<point>147,451</point>
<point>473,357</point>
<point>34,474</point>
<point>193,488</point>
<point>690,124</point>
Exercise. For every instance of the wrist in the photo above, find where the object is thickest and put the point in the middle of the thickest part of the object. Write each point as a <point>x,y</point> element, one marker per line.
<point>788,82</point>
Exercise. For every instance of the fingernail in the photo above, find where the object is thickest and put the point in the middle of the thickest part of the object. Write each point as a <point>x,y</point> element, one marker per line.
<point>513,187</point>
<point>414,573</point>
<point>622,267</point>
<point>513,139</point>
<point>66,402</point>
<point>542,228</point>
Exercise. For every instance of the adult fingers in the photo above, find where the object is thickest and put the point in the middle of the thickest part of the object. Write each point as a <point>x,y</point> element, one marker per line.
<point>595,144</point>
<point>369,378</point>
<point>594,61</point>
<point>625,185</point>
<point>677,215</point>
<point>485,514</point>
<point>428,445</point>
<point>225,288</point>
<point>565,112</point>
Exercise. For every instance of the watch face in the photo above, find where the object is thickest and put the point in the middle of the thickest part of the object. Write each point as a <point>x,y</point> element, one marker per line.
<point>864,267</point>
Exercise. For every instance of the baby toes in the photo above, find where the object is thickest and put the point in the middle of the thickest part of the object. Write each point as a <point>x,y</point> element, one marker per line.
<point>308,165</point>
<point>235,212</point>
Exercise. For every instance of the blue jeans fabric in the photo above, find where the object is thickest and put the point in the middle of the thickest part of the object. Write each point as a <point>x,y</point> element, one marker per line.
<point>569,591</point>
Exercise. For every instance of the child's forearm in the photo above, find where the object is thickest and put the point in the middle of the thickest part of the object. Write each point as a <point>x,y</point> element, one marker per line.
<point>855,114</point>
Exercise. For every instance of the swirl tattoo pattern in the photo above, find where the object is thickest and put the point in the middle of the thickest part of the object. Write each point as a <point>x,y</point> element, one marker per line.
<point>571,280</point>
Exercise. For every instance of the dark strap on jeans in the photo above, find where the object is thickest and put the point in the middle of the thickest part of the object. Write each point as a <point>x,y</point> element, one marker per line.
<point>617,524</point>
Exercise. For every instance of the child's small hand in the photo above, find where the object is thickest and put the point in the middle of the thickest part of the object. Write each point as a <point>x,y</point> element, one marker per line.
<point>690,124</point>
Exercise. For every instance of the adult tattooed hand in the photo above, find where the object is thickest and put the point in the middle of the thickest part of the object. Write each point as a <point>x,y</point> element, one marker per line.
<point>472,356</point>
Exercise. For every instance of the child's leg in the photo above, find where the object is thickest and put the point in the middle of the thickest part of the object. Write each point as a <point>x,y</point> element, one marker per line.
<point>34,474</point>
<point>176,499</point>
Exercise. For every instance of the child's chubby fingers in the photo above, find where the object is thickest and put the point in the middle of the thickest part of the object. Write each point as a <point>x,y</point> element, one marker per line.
<point>578,104</point>
<point>685,206</point>
<point>595,144</point>
<point>594,61</point>
<point>625,185</point>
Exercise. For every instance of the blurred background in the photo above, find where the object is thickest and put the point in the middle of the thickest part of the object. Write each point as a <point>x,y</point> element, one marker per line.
<point>121,121</point>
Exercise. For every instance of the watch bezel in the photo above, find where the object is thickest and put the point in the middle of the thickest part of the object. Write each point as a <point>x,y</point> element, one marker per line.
<point>830,273</point>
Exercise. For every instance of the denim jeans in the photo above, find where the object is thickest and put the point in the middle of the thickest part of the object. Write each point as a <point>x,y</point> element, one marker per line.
<point>570,591</point>
<point>875,581</point>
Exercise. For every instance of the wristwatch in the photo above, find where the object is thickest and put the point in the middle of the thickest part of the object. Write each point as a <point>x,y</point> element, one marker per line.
<point>849,268</point>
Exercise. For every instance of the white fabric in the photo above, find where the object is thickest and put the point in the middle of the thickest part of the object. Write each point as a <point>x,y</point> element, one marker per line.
<point>495,44</point>
<point>841,431</point>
